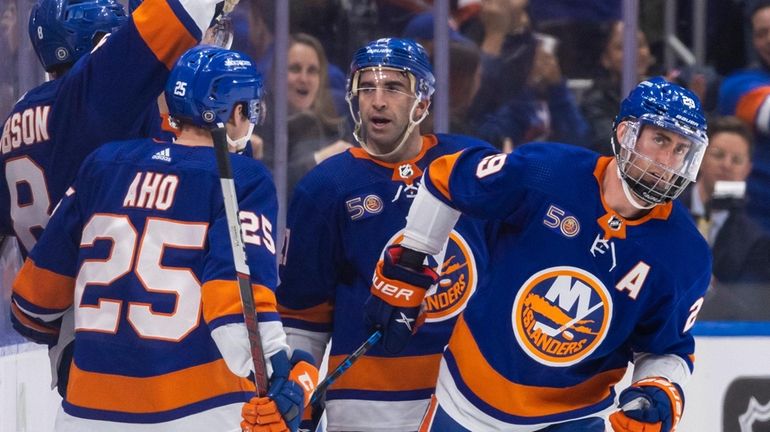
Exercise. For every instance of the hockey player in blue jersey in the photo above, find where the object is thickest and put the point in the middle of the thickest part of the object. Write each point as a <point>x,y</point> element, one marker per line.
<point>341,215</point>
<point>139,247</point>
<point>94,97</point>
<point>592,266</point>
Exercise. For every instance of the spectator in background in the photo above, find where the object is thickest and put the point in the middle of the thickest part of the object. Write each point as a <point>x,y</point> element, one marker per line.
<point>704,81</point>
<point>600,103</point>
<point>464,71</point>
<point>316,131</point>
<point>741,247</point>
<point>523,96</point>
<point>745,94</point>
<point>578,25</point>
<point>9,47</point>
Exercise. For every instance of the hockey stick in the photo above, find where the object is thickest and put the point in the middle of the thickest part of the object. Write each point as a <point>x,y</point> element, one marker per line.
<point>239,257</point>
<point>320,389</point>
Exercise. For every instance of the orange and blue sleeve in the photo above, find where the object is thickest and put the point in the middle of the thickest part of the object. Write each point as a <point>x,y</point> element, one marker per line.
<point>745,95</point>
<point>220,293</point>
<point>477,181</point>
<point>45,286</point>
<point>129,70</point>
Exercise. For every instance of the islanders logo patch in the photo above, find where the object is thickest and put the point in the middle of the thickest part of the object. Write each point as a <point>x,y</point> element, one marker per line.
<point>561,315</point>
<point>456,266</point>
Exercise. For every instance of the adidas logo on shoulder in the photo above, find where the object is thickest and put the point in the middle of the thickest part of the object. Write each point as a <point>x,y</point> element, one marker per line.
<point>164,155</point>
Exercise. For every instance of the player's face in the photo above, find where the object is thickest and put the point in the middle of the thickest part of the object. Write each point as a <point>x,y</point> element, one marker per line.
<point>727,158</point>
<point>660,149</point>
<point>304,78</point>
<point>385,100</point>
<point>760,24</point>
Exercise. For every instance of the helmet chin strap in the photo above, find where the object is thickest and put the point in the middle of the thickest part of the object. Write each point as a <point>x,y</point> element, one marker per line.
<point>630,195</point>
<point>236,145</point>
<point>407,131</point>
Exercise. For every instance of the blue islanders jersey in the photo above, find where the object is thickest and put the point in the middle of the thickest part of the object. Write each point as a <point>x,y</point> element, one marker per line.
<point>571,292</point>
<point>139,248</point>
<point>342,216</point>
<point>746,94</point>
<point>107,95</point>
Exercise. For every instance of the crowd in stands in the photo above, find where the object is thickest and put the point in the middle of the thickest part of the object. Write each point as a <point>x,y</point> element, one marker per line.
<point>512,63</point>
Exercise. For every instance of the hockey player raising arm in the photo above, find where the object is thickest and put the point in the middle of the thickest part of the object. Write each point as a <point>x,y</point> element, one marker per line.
<point>342,215</point>
<point>593,266</point>
<point>139,247</point>
<point>93,98</point>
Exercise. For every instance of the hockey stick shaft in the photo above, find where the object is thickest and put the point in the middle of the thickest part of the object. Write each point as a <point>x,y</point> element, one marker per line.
<point>345,365</point>
<point>239,257</point>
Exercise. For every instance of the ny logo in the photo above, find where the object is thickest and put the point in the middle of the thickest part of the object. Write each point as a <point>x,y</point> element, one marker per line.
<point>602,246</point>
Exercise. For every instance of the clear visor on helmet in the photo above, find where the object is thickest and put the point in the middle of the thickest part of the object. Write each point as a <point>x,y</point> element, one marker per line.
<point>390,84</point>
<point>659,167</point>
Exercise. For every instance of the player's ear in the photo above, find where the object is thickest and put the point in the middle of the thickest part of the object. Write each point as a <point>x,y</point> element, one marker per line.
<point>237,113</point>
<point>422,106</point>
<point>621,128</point>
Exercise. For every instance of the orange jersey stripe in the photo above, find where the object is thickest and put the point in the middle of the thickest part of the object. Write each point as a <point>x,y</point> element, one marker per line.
<point>518,399</point>
<point>388,374</point>
<point>748,104</point>
<point>167,38</point>
<point>440,170</point>
<point>140,395</point>
<point>221,298</point>
<point>428,142</point>
<point>29,323</point>
<point>321,314</point>
<point>428,418</point>
<point>44,288</point>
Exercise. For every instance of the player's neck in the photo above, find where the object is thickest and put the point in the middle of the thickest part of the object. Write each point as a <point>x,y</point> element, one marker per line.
<point>408,151</point>
<point>194,137</point>
<point>615,197</point>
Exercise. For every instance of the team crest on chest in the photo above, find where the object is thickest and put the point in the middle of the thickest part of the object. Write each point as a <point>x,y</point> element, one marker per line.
<point>561,315</point>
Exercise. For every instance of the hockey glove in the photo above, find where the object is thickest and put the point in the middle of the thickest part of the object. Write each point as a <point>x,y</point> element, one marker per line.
<point>291,386</point>
<point>396,297</point>
<point>649,405</point>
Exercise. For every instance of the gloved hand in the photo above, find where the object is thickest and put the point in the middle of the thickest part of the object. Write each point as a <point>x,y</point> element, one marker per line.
<point>396,297</point>
<point>262,415</point>
<point>291,386</point>
<point>649,405</point>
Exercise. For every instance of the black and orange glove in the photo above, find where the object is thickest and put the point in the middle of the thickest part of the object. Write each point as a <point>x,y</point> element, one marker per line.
<point>396,297</point>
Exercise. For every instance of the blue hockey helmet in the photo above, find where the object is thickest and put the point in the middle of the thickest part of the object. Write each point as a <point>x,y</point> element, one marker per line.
<point>399,54</point>
<point>208,81</point>
<point>659,103</point>
<point>62,31</point>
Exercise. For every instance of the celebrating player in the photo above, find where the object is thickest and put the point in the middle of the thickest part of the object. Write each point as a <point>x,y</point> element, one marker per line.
<point>139,247</point>
<point>94,98</point>
<point>593,266</point>
<point>341,214</point>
